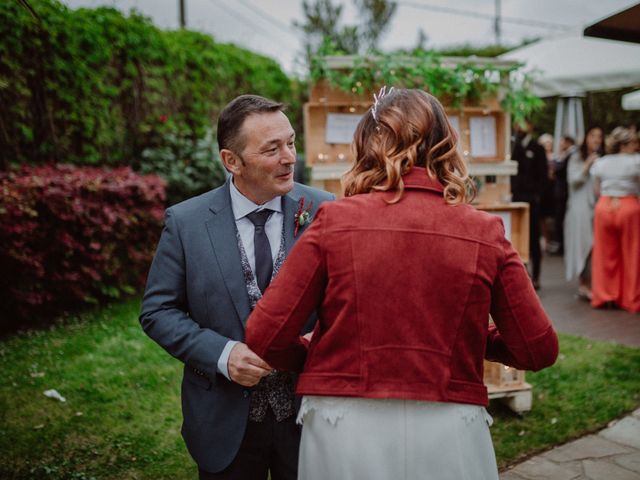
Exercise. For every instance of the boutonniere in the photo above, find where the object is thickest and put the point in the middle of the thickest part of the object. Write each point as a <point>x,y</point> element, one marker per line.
<point>302,216</point>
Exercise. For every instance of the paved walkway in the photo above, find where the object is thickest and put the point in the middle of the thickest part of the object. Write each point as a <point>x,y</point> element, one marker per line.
<point>612,453</point>
<point>576,317</point>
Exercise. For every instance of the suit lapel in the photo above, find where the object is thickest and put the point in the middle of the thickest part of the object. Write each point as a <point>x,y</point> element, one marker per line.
<point>289,208</point>
<point>222,234</point>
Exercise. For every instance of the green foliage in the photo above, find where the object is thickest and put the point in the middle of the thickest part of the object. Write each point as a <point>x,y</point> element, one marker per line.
<point>122,419</point>
<point>467,50</point>
<point>465,82</point>
<point>90,86</point>
<point>323,24</point>
<point>189,167</point>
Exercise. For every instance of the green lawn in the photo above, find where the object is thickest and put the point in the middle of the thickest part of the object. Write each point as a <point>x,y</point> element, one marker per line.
<point>121,419</point>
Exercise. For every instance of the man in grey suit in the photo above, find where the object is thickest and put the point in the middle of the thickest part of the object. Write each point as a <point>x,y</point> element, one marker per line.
<point>216,255</point>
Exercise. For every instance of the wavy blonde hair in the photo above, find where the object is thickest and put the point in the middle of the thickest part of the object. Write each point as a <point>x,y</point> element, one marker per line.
<point>410,129</point>
<point>619,137</point>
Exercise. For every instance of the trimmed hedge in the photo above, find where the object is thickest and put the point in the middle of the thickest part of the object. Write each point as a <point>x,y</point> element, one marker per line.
<point>95,87</point>
<point>71,236</point>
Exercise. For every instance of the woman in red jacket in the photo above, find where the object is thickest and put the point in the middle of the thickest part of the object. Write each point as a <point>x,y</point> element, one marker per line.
<point>403,274</point>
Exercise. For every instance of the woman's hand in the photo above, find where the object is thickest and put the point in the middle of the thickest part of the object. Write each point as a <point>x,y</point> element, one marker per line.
<point>588,162</point>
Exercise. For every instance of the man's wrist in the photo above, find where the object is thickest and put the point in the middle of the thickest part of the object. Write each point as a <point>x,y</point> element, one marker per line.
<point>223,360</point>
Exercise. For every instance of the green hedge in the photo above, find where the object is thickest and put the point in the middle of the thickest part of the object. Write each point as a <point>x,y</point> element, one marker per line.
<point>93,86</point>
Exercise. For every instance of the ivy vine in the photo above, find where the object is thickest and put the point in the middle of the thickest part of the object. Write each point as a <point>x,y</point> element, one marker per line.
<point>464,83</point>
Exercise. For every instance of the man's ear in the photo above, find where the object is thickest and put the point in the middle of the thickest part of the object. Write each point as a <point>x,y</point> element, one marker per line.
<point>230,160</point>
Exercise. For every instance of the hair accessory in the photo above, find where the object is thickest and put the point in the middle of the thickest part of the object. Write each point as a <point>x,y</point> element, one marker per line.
<point>377,99</point>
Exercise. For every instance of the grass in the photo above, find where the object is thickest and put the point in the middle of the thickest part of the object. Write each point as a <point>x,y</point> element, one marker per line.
<point>122,418</point>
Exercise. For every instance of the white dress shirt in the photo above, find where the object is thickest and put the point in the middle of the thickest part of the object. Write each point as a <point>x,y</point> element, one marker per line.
<point>241,207</point>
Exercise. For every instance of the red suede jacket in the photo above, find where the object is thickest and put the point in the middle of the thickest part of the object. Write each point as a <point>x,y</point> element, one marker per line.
<point>403,293</point>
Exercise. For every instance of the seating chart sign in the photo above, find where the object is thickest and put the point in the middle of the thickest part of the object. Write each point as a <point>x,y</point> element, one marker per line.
<point>340,127</point>
<point>483,136</point>
<point>455,123</point>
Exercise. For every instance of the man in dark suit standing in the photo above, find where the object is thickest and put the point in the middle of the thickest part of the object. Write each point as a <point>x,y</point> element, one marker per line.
<point>217,254</point>
<point>527,186</point>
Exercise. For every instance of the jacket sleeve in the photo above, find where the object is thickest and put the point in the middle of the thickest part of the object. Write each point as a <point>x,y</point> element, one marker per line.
<point>522,335</point>
<point>164,315</point>
<point>272,330</point>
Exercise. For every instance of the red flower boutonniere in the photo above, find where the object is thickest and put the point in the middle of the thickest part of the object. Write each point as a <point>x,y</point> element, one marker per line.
<point>302,216</point>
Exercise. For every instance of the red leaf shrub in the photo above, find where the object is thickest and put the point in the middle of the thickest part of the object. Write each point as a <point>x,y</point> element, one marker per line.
<point>73,236</point>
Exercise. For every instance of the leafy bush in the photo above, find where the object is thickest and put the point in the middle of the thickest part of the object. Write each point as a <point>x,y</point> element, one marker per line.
<point>92,86</point>
<point>71,236</point>
<point>189,167</point>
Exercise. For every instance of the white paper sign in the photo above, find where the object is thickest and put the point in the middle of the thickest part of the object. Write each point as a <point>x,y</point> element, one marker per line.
<point>455,123</point>
<point>506,220</point>
<point>483,136</point>
<point>341,127</point>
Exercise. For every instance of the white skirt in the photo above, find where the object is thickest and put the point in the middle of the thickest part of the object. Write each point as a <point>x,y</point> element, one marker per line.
<point>345,438</point>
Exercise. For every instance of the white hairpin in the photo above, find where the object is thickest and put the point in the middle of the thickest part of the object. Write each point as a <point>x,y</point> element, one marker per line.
<point>377,99</point>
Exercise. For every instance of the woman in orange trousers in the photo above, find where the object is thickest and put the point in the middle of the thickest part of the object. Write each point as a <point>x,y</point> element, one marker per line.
<point>616,240</point>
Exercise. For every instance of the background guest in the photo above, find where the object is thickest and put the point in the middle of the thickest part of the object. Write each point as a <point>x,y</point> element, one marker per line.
<point>528,186</point>
<point>561,191</point>
<point>616,240</point>
<point>547,203</point>
<point>578,224</point>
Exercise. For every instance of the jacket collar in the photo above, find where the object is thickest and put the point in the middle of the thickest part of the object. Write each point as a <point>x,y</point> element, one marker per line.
<point>222,200</point>
<point>419,178</point>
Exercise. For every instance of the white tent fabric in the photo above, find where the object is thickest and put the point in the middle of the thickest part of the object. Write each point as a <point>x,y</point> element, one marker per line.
<point>569,120</point>
<point>631,101</point>
<point>572,64</point>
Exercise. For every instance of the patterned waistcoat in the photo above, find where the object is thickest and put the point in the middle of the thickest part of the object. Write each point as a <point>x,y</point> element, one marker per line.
<point>276,390</point>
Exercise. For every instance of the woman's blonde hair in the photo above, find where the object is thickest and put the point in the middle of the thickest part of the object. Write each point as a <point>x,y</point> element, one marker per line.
<point>410,128</point>
<point>545,138</point>
<point>619,137</point>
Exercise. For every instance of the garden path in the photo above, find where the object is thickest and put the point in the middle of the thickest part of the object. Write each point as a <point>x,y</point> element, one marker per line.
<point>611,454</point>
<point>576,317</point>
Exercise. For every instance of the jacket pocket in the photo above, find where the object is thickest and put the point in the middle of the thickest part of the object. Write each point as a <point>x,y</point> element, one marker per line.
<point>200,380</point>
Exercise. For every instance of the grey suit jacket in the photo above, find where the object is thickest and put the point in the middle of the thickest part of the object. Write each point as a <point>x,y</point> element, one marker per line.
<point>195,301</point>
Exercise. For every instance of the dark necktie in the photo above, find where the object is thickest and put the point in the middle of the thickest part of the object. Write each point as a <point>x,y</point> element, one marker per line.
<point>262,248</point>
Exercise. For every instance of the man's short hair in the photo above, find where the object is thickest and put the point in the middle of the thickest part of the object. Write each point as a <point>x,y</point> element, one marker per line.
<point>235,113</point>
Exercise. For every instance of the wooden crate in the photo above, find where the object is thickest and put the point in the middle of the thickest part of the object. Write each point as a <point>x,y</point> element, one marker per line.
<point>319,151</point>
<point>464,117</point>
<point>516,214</point>
<point>328,161</point>
<point>518,398</point>
<point>502,376</point>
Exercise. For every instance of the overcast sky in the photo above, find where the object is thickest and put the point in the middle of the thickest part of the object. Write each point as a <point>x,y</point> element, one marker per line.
<point>265,26</point>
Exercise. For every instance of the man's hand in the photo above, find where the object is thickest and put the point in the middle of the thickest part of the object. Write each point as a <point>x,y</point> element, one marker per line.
<point>245,367</point>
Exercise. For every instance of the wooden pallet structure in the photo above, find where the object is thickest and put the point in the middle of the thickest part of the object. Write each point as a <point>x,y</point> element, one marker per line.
<point>507,385</point>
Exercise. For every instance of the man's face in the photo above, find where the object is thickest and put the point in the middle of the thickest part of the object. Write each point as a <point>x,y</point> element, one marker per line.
<point>265,169</point>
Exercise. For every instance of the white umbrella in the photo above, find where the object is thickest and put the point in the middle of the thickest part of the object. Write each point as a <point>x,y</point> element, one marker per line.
<point>572,64</point>
<point>631,101</point>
